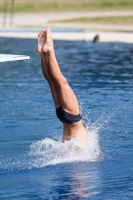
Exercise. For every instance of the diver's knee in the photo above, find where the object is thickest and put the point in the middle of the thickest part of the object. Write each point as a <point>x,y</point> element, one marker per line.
<point>62,82</point>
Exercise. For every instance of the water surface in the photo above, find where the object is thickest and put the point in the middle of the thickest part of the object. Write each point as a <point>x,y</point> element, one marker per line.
<point>34,163</point>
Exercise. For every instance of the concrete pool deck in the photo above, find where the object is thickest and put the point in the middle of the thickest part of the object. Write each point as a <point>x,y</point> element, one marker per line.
<point>59,35</point>
<point>25,25</point>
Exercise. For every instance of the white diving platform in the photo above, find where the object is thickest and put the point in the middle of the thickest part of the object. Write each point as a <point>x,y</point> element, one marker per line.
<point>10,57</point>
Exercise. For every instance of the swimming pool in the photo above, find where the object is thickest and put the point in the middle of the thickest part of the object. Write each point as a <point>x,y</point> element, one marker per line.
<point>34,163</point>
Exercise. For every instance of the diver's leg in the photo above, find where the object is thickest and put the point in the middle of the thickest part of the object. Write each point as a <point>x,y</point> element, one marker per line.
<point>45,69</point>
<point>67,97</point>
<point>66,136</point>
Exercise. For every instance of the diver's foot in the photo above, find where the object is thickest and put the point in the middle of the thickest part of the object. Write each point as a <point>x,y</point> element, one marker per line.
<point>48,45</point>
<point>41,41</point>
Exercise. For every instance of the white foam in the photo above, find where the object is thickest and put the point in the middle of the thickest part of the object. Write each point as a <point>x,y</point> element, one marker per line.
<point>50,152</point>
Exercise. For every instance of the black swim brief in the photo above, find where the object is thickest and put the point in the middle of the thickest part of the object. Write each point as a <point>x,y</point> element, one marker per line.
<point>66,117</point>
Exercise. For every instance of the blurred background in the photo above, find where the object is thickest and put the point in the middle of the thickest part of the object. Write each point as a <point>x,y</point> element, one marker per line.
<point>96,16</point>
<point>66,5</point>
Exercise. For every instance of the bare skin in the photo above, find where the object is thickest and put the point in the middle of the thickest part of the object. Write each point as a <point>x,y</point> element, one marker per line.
<point>61,91</point>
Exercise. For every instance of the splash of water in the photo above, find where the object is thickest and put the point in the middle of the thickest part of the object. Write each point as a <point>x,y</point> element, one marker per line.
<point>51,152</point>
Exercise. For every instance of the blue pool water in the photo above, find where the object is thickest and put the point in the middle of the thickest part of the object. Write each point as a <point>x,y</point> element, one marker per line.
<point>34,163</point>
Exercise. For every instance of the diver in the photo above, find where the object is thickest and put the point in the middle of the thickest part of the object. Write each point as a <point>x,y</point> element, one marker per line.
<point>66,104</point>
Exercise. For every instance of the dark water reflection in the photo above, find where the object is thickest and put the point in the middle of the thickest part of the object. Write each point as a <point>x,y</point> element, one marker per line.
<point>101,75</point>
